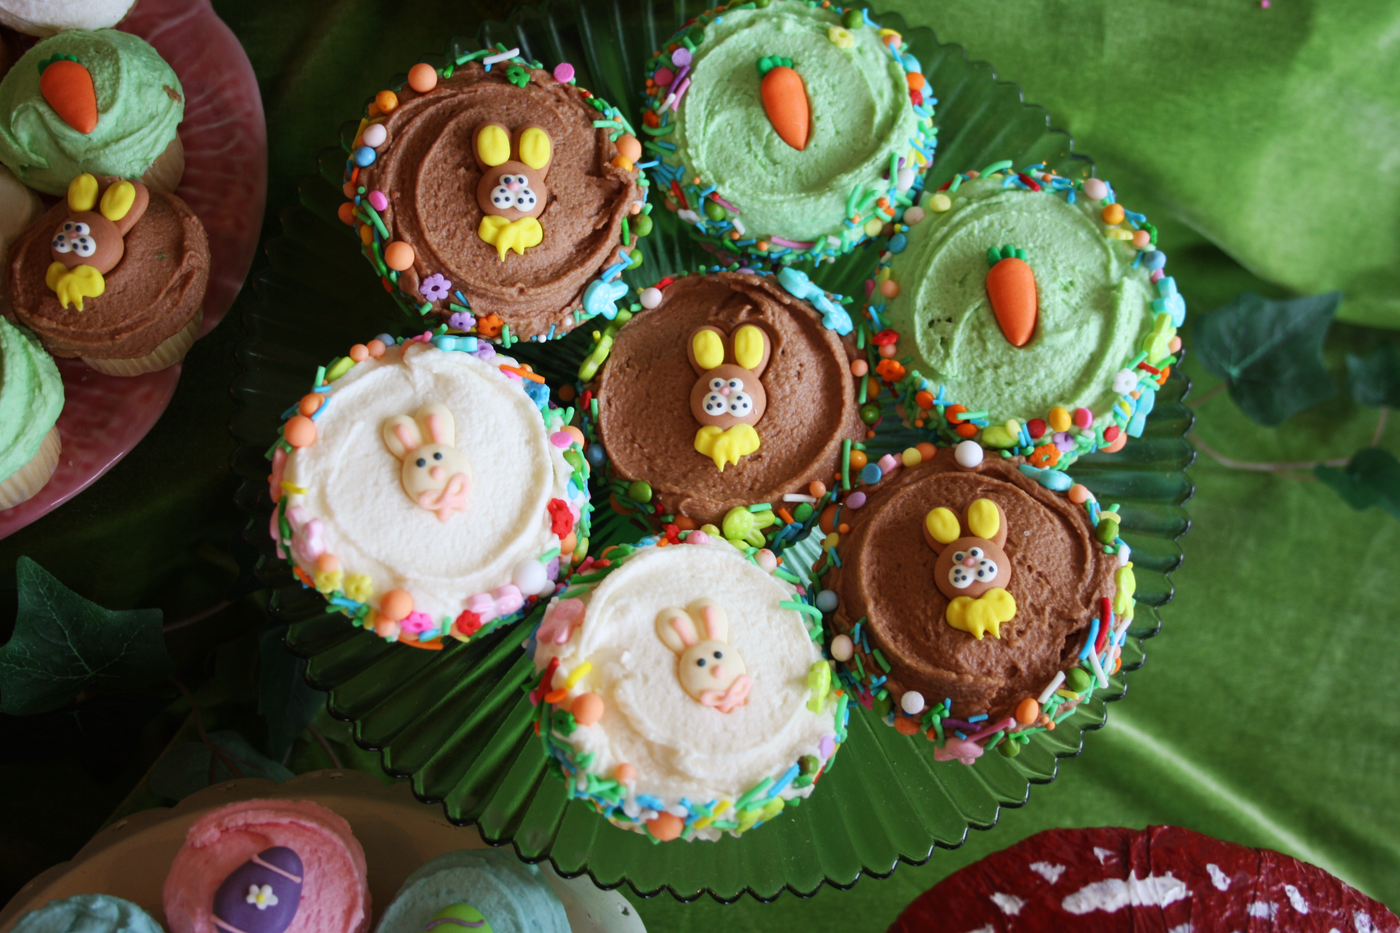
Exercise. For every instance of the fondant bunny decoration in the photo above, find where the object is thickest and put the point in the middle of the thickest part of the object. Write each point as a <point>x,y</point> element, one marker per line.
<point>728,399</point>
<point>512,190</point>
<point>91,240</point>
<point>709,669</point>
<point>436,475</point>
<point>972,569</point>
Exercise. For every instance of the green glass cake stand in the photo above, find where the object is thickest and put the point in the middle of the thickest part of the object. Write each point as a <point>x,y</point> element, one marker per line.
<point>457,722</point>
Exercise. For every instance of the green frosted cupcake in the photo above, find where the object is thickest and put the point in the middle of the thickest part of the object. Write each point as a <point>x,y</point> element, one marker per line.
<point>97,101</point>
<point>1027,311</point>
<point>31,397</point>
<point>784,130</point>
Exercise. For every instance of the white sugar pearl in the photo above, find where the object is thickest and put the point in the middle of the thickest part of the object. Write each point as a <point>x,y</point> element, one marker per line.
<point>1095,189</point>
<point>651,297</point>
<point>842,647</point>
<point>374,135</point>
<point>968,454</point>
<point>1124,555</point>
<point>904,179</point>
<point>530,577</point>
<point>912,702</point>
<point>766,561</point>
<point>913,215</point>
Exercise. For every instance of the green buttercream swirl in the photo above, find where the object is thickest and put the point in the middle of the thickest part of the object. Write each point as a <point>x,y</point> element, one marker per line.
<point>136,116</point>
<point>31,396</point>
<point>860,115</point>
<point>1094,308</point>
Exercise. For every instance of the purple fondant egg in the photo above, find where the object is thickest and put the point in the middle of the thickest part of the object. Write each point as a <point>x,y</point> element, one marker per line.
<point>261,895</point>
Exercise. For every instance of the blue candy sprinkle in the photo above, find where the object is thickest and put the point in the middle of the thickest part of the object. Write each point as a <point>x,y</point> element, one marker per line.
<point>364,156</point>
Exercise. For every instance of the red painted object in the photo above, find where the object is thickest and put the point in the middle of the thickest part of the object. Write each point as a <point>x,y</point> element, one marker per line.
<point>1163,878</point>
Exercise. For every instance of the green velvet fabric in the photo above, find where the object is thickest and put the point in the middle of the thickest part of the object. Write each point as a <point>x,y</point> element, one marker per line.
<point>1267,712</point>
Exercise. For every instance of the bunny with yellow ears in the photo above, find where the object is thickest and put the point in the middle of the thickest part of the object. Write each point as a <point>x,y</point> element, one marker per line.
<point>436,475</point>
<point>709,669</point>
<point>728,399</point>
<point>91,240</point>
<point>972,569</point>
<point>512,191</point>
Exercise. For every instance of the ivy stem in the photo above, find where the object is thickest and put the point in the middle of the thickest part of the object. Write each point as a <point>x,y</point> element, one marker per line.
<point>1297,465</point>
<point>197,617</point>
<point>1210,394</point>
<point>1380,426</point>
<point>216,754</point>
<point>330,752</point>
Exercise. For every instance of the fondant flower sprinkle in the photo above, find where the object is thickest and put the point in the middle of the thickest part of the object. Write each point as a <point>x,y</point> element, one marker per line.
<point>460,320</point>
<point>435,287</point>
<point>261,896</point>
<point>842,37</point>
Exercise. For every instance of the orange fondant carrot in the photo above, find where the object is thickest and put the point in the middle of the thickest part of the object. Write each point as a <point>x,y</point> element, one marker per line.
<point>785,101</point>
<point>67,86</point>
<point>1011,290</point>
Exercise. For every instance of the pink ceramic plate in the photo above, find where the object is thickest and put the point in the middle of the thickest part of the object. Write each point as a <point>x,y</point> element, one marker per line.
<point>225,139</point>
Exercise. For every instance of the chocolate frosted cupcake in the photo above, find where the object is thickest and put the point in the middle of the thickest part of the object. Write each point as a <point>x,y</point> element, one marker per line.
<point>974,602</point>
<point>727,391</point>
<point>115,275</point>
<point>496,196</point>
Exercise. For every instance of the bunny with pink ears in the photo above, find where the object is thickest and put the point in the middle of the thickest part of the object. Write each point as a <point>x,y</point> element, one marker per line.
<point>709,669</point>
<point>436,475</point>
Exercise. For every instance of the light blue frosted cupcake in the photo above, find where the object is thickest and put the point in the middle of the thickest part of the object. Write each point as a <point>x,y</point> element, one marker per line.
<point>478,890</point>
<point>88,913</point>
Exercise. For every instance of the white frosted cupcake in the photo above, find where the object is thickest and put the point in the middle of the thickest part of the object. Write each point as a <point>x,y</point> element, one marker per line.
<point>428,489</point>
<point>684,694</point>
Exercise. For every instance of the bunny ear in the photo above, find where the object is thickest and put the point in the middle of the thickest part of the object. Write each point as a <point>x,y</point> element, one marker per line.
<point>125,202</point>
<point>706,349</point>
<point>535,148</point>
<point>491,145</point>
<point>941,529</point>
<point>985,519</point>
<point>675,629</point>
<point>82,193</point>
<point>401,436</point>
<point>712,615</point>
<point>752,348</point>
<point>440,424</point>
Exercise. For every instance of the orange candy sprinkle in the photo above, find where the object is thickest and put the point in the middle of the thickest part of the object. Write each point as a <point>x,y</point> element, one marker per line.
<point>1046,455</point>
<point>666,826</point>
<point>386,101</point>
<point>398,256</point>
<point>1027,711</point>
<point>310,403</point>
<point>489,326</point>
<point>816,489</point>
<point>906,725</point>
<point>915,81</point>
<point>625,773</point>
<point>859,368</point>
<point>622,162</point>
<point>359,353</point>
<point>924,399</point>
<point>890,370</point>
<point>395,605</point>
<point>628,147</point>
<point>376,348</point>
<point>966,429</point>
<point>587,709</point>
<point>1113,214</point>
<point>858,459</point>
<point>299,431</point>
<point>889,288</point>
<point>327,563</point>
<point>926,450</point>
<point>954,413</point>
<point>346,213</point>
<point>422,77</point>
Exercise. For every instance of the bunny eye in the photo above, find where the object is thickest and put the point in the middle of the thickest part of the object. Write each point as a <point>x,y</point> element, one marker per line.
<point>422,462</point>
<point>736,384</point>
<point>719,654</point>
<point>437,456</point>
<point>959,557</point>
<point>84,245</point>
<point>81,229</point>
<point>60,243</point>
<point>699,662</point>
<point>715,404</point>
<point>716,384</point>
<point>975,553</point>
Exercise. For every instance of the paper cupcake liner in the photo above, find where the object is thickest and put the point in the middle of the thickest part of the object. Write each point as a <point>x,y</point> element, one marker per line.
<point>168,168</point>
<point>30,478</point>
<point>171,351</point>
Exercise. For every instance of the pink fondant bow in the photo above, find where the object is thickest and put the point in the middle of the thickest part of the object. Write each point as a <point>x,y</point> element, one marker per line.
<point>449,499</point>
<point>560,620</point>
<point>737,695</point>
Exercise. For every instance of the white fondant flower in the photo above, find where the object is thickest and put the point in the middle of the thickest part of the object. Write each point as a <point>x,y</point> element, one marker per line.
<point>1124,381</point>
<point>261,896</point>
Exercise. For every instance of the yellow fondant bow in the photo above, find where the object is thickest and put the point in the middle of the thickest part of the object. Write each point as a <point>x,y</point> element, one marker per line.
<point>726,446</point>
<point>983,614</point>
<point>73,285</point>
<point>503,234</point>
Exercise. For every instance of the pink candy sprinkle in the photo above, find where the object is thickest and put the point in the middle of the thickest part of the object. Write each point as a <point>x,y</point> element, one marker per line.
<point>378,200</point>
<point>1083,418</point>
<point>855,500</point>
<point>561,439</point>
<point>563,72</point>
<point>1156,275</point>
<point>663,77</point>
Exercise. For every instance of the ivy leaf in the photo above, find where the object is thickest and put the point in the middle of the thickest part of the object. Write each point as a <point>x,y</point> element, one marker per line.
<point>1375,380</point>
<point>285,699</point>
<point>184,769</point>
<point>64,644</point>
<point>1371,478</point>
<point>1269,352</point>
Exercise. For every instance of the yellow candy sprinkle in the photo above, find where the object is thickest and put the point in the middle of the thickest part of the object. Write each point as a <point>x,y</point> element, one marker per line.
<point>339,368</point>
<point>940,202</point>
<point>578,674</point>
<point>872,226</point>
<point>1059,419</point>
<point>912,457</point>
<point>294,490</point>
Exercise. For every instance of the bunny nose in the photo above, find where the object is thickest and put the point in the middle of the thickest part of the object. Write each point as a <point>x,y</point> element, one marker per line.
<point>437,473</point>
<point>969,562</point>
<point>512,185</point>
<point>724,390</point>
<point>717,671</point>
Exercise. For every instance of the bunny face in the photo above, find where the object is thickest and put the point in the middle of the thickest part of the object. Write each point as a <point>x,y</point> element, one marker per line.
<point>972,568</point>
<point>710,669</point>
<point>512,191</point>
<point>728,391</point>
<point>90,241</point>
<point>436,475</point>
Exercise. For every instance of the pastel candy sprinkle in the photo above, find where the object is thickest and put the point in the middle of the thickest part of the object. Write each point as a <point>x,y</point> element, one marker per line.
<point>680,57</point>
<point>364,156</point>
<point>374,135</point>
<point>561,439</point>
<point>378,200</point>
<point>855,500</point>
<point>563,72</point>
